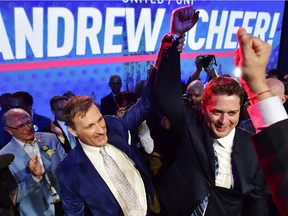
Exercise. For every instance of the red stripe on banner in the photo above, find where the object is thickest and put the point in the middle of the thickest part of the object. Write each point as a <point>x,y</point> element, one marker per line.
<point>94,61</point>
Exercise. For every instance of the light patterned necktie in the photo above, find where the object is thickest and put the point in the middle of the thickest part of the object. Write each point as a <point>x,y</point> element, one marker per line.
<point>122,185</point>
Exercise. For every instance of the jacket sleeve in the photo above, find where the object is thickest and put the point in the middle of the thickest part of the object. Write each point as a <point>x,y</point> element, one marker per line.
<point>168,81</point>
<point>271,145</point>
<point>145,105</point>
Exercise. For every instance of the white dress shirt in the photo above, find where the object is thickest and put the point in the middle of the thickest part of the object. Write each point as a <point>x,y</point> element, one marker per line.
<point>223,151</point>
<point>127,167</point>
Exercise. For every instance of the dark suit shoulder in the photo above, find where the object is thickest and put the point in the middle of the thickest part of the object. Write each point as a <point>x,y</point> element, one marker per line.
<point>115,126</point>
<point>107,97</point>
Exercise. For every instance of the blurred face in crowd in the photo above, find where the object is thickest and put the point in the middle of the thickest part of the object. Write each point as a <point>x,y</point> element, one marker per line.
<point>90,128</point>
<point>6,102</point>
<point>221,113</point>
<point>196,95</point>
<point>57,109</point>
<point>195,91</point>
<point>19,124</point>
<point>18,102</point>
<point>115,84</point>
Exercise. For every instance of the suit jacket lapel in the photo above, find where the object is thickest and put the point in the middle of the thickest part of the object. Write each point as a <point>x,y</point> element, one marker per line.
<point>88,171</point>
<point>121,144</point>
<point>204,150</point>
<point>135,156</point>
<point>239,150</point>
<point>42,143</point>
<point>66,145</point>
<point>22,157</point>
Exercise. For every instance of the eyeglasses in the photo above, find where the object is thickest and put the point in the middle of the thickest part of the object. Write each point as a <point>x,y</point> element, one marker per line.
<point>21,127</point>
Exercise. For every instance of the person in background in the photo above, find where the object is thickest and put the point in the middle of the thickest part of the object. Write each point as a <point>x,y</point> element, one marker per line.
<point>217,172</point>
<point>140,137</point>
<point>194,94</point>
<point>8,187</point>
<point>37,156</point>
<point>58,126</point>
<point>24,100</point>
<point>271,138</point>
<point>277,88</point>
<point>108,103</point>
<point>202,63</point>
<point>6,104</point>
<point>69,94</point>
<point>275,73</point>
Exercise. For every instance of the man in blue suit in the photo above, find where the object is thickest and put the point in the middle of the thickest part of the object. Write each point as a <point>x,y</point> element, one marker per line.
<point>84,182</point>
<point>36,157</point>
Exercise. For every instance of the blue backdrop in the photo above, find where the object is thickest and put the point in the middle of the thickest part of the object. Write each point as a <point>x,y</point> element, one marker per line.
<point>47,48</point>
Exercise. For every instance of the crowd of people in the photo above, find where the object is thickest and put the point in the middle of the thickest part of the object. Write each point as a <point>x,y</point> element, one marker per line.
<point>154,151</point>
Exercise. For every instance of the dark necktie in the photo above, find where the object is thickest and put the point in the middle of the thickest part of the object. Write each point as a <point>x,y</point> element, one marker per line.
<point>199,211</point>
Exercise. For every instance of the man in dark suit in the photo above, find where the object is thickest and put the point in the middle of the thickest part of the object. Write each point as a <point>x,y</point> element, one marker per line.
<point>58,126</point>
<point>6,104</point>
<point>24,100</point>
<point>271,139</point>
<point>217,173</point>
<point>108,103</point>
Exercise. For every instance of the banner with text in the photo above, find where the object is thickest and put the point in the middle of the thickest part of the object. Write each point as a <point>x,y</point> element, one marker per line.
<point>48,47</point>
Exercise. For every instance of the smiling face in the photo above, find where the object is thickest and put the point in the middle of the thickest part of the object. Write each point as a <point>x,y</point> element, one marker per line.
<point>90,128</point>
<point>19,124</point>
<point>221,114</point>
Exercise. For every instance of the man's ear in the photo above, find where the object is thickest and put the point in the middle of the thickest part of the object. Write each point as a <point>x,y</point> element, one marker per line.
<point>72,131</point>
<point>8,130</point>
<point>283,99</point>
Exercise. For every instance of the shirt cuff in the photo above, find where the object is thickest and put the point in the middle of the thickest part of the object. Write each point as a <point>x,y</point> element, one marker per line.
<point>267,112</point>
<point>36,179</point>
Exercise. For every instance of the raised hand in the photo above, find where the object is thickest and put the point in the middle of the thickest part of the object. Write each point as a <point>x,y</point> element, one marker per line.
<point>35,166</point>
<point>55,129</point>
<point>183,19</point>
<point>252,57</point>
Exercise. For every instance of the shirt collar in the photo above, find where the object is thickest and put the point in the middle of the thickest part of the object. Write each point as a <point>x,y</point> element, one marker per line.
<point>22,144</point>
<point>61,123</point>
<point>227,141</point>
<point>92,149</point>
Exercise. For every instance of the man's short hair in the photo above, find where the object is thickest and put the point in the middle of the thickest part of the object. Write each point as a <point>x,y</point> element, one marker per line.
<point>223,85</point>
<point>115,77</point>
<point>27,98</point>
<point>78,105</point>
<point>55,100</point>
<point>195,84</point>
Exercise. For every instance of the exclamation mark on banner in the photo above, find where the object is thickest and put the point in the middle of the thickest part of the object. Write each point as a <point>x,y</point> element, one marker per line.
<point>273,28</point>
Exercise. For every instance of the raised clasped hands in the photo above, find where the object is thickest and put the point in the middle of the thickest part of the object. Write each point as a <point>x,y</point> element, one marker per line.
<point>183,19</point>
